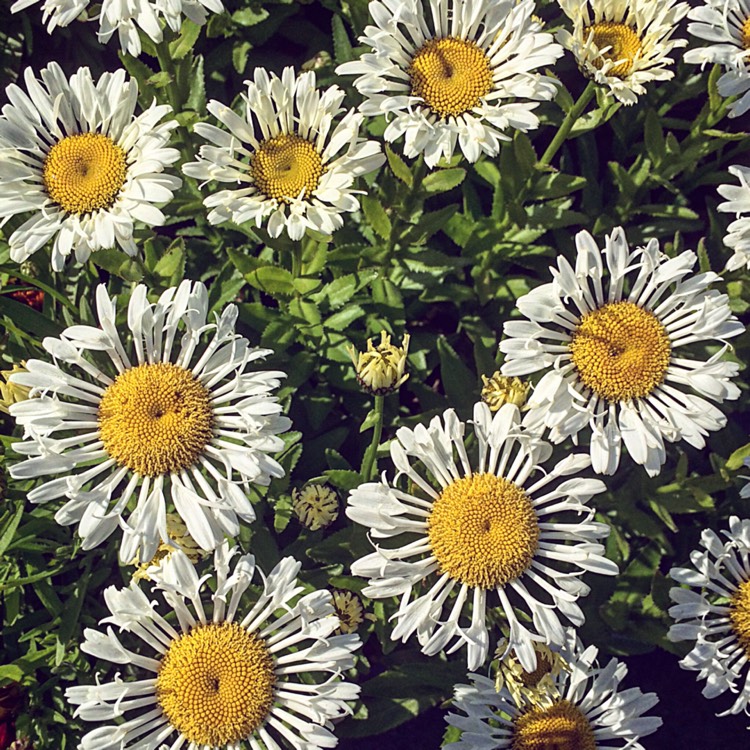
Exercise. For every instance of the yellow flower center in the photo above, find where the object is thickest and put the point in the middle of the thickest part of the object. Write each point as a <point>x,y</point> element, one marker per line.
<point>483,531</point>
<point>155,419</point>
<point>285,165</point>
<point>621,351</point>
<point>739,615</point>
<point>84,173</point>
<point>451,75</point>
<point>560,726</point>
<point>624,44</point>
<point>745,34</point>
<point>216,684</point>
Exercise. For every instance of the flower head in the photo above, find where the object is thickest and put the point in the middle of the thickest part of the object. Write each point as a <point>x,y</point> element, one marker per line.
<point>499,390</point>
<point>500,526</point>
<point>382,368</point>
<point>737,202</point>
<point>623,44</point>
<point>612,351</point>
<point>177,410</point>
<point>585,710</point>
<point>126,17</point>
<point>461,72</point>
<point>537,687</point>
<point>291,165</point>
<point>10,392</point>
<point>349,610</point>
<point>316,506</point>
<point>77,157</point>
<point>221,674</point>
<point>715,612</point>
<point>725,24</point>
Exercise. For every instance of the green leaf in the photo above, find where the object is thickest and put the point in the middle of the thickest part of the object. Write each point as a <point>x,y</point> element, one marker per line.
<point>185,42</point>
<point>197,96</point>
<point>282,513</point>
<point>459,382</point>
<point>444,180</point>
<point>272,280</point>
<point>10,529</point>
<point>376,216</point>
<point>249,16</point>
<point>737,459</point>
<point>341,290</point>
<point>344,479</point>
<point>171,266</point>
<point>654,137</point>
<point>342,47</point>
<point>398,166</point>
<point>240,54</point>
<point>28,319</point>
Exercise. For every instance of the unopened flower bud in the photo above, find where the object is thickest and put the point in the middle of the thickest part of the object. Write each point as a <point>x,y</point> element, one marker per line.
<point>316,506</point>
<point>382,368</point>
<point>499,390</point>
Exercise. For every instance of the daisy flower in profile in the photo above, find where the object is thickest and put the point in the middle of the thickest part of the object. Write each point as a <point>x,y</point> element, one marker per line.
<point>219,675</point>
<point>500,527</point>
<point>612,351</point>
<point>715,612</point>
<point>56,12</point>
<point>76,157</point>
<point>458,73</point>
<point>623,44</point>
<point>585,709</point>
<point>126,17</point>
<point>292,166</point>
<point>176,412</point>
<point>738,203</point>
<point>725,24</point>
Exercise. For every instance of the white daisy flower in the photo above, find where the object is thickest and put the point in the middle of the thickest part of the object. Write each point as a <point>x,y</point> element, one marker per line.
<point>586,710</point>
<point>76,155</point>
<point>221,675</point>
<point>458,73</point>
<point>623,44</point>
<point>738,203</point>
<point>726,25</point>
<point>126,17</point>
<point>56,12</point>
<point>477,527</point>
<point>715,612</point>
<point>193,421</point>
<point>292,166</point>
<point>612,351</point>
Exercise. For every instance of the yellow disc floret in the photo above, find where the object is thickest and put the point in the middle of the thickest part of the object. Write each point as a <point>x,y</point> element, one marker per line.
<point>483,531</point>
<point>155,419</point>
<point>621,351</point>
<point>85,172</point>
<point>216,684</point>
<point>560,726</point>
<point>285,165</point>
<point>745,34</point>
<point>623,42</point>
<point>451,75</point>
<point>739,615</point>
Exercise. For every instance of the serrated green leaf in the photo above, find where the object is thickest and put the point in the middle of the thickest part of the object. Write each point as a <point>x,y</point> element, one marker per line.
<point>185,42</point>
<point>376,216</point>
<point>342,47</point>
<point>240,54</point>
<point>249,16</point>
<point>272,280</point>
<point>399,167</point>
<point>443,180</point>
<point>343,479</point>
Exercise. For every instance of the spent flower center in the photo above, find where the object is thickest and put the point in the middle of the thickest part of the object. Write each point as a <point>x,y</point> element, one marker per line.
<point>216,684</point>
<point>623,42</point>
<point>451,75</point>
<point>284,166</point>
<point>620,351</point>
<point>85,172</point>
<point>155,419</point>
<point>483,531</point>
<point>560,726</point>
<point>739,615</point>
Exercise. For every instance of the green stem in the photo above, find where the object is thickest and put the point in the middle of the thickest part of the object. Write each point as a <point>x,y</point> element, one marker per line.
<point>570,119</point>
<point>297,259</point>
<point>369,464</point>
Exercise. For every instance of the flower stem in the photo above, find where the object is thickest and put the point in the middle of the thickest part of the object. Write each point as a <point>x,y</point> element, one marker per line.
<point>369,464</point>
<point>570,119</point>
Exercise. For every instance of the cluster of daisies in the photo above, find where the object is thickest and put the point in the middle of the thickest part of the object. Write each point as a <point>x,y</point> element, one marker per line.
<point>156,432</point>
